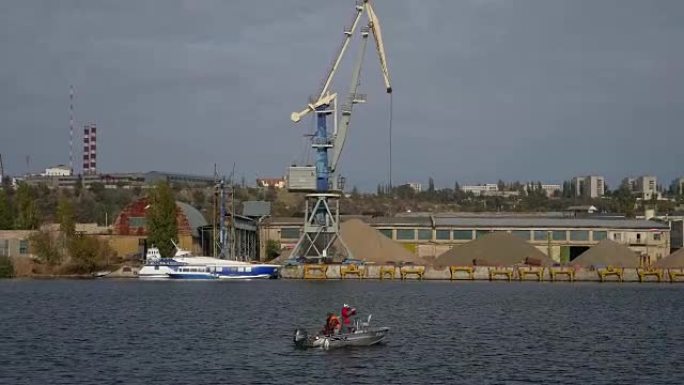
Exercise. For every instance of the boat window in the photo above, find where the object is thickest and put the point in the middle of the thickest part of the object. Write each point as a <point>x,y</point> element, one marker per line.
<point>248,269</point>
<point>241,269</point>
<point>156,267</point>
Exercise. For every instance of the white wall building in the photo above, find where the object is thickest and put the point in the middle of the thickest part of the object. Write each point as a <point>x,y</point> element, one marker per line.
<point>417,187</point>
<point>481,189</point>
<point>645,187</point>
<point>60,170</point>
<point>592,186</point>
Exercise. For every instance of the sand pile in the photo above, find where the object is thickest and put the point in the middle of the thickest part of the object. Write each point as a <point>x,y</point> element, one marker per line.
<point>495,249</point>
<point>368,244</point>
<point>672,261</point>
<point>607,253</point>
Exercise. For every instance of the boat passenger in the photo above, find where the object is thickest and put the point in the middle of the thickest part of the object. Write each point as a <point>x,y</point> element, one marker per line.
<point>332,325</point>
<point>347,313</point>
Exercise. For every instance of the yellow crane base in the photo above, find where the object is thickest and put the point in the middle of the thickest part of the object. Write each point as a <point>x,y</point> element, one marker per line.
<point>563,271</point>
<point>650,272</point>
<point>347,270</point>
<point>537,272</point>
<point>406,271</point>
<point>315,271</point>
<point>387,271</point>
<point>611,271</point>
<point>495,272</point>
<point>454,270</point>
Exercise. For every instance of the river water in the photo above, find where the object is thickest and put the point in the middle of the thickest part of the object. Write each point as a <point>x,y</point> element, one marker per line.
<point>133,332</point>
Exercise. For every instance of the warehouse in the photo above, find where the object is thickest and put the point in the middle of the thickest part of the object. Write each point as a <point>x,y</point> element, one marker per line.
<point>563,238</point>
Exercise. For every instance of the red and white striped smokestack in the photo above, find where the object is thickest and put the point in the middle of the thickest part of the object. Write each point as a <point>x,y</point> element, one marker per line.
<point>93,149</point>
<point>86,149</point>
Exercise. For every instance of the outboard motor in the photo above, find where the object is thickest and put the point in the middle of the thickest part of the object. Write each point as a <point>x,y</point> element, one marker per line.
<point>300,337</point>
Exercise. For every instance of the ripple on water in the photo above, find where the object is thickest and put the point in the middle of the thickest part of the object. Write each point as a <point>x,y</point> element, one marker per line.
<point>130,332</point>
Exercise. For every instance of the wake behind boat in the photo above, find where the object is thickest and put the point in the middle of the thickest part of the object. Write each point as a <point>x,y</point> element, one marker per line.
<point>184,265</point>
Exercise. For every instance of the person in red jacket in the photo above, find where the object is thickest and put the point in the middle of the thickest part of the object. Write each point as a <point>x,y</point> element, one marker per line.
<point>347,313</point>
<point>332,325</point>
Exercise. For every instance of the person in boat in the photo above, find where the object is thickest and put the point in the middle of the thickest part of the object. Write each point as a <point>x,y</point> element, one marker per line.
<point>332,325</point>
<point>347,313</point>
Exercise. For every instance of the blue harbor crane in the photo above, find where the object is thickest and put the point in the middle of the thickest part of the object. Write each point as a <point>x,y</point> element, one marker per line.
<point>321,182</point>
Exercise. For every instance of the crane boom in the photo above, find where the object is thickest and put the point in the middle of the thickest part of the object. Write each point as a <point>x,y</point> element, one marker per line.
<point>379,45</point>
<point>352,98</point>
<point>343,48</point>
<point>324,97</point>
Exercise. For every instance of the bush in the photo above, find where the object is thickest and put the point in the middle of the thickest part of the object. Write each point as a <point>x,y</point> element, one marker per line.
<point>6,267</point>
<point>88,254</point>
<point>46,247</point>
<point>272,249</point>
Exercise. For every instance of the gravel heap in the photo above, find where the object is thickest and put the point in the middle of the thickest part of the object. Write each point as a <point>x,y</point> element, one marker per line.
<point>494,249</point>
<point>607,253</point>
<point>672,261</point>
<point>370,245</point>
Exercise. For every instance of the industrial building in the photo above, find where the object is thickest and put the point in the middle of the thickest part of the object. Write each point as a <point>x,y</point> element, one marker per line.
<point>561,237</point>
<point>194,233</point>
<point>119,180</point>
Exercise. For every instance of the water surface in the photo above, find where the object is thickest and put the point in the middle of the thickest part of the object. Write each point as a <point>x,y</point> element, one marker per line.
<point>157,332</point>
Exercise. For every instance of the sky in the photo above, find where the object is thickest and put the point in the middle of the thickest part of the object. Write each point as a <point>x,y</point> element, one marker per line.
<point>483,89</point>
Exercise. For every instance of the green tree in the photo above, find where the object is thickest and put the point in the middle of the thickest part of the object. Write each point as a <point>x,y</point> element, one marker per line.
<point>6,267</point>
<point>78,187</point>
<point>45,247</point>
<point>27,218</point>
<point>67,218</point>
<point>88,254</point>
<point>272,249</point>
<point>6,215</point>
<point>162,228</point>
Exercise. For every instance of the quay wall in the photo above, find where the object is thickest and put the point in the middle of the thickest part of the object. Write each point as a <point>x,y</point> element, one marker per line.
<point>334,271</point>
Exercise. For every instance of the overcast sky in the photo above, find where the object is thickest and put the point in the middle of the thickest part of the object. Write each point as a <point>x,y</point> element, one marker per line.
<point>483,89</point>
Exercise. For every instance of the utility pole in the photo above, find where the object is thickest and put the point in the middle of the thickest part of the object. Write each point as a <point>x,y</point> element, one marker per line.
<point>213,214</point>
<point>2,170</point>
<point>232,214</point>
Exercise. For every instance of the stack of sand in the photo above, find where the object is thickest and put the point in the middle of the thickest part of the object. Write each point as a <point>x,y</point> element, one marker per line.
<point>370,245</point>
<point>672,261</point>
<point>495,249</point>
<point>607,253</point>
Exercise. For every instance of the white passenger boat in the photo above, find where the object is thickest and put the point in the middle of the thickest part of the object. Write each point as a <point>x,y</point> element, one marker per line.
<point>184,265</point>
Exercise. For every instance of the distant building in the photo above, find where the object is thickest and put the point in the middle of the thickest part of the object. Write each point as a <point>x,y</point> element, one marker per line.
<point>278,183</point>
<point>417,187</point>
<point>678,186</point>
<point>645,187</point>
<point>481,189</point>
<point>120,180</point>
<point>591,186</point>
<point>59,170</point>
<point>549,189</point>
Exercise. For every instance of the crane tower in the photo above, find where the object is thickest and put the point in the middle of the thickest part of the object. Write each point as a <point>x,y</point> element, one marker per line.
<point>323,185</point>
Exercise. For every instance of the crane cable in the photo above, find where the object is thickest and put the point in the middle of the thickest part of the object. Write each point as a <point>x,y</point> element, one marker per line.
<point>390,141</point>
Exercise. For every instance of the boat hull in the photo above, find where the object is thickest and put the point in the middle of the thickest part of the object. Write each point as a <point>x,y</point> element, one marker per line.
<point>367,337</point>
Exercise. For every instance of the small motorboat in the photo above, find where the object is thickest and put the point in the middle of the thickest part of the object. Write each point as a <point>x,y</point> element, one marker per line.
<point>363,335</point>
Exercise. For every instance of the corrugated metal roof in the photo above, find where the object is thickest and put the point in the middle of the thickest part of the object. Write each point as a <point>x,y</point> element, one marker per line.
<point>493,221</point>
<point>551,223</point>
<point>195,218</point>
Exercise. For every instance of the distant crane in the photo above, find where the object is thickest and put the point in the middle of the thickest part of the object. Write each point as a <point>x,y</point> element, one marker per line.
<point>2,170</point>
<point>321,226</point>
